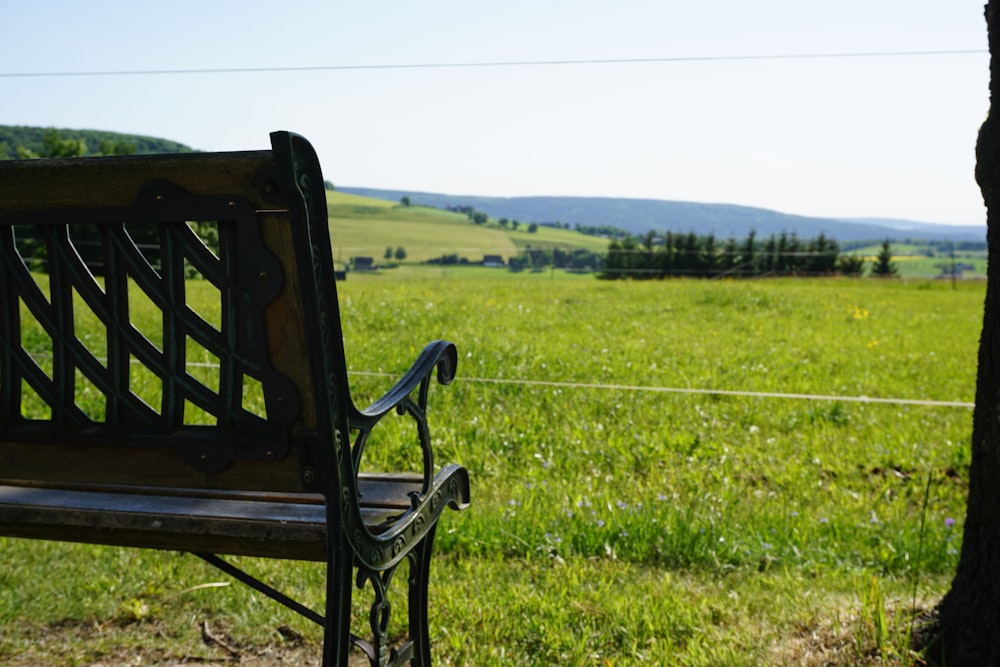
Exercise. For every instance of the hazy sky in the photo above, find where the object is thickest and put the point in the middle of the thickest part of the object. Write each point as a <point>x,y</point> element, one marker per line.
<point>704,119</point>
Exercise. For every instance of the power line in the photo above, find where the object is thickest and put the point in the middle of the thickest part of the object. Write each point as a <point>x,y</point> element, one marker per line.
<point>493,64</point>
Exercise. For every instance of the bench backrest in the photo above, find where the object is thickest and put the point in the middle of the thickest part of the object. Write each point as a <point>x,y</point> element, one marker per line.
<point>116,368</point>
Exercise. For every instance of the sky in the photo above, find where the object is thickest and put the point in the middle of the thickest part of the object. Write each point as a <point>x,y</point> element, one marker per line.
<point>790,105</point>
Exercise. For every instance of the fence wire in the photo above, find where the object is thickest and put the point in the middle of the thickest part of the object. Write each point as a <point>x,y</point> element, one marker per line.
<point>703,392</point>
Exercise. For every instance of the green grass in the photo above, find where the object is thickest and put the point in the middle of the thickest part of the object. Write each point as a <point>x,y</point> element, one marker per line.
<point>615,524</point>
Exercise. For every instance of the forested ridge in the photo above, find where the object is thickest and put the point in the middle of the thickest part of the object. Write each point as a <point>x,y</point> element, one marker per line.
<point>21,141</point>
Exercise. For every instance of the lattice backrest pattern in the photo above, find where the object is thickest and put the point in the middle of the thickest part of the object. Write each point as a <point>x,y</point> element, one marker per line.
<point>137,325</point>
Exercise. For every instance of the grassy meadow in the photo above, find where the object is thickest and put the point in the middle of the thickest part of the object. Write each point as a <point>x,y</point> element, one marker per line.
<point>425,233</point>
<point>622,512</point>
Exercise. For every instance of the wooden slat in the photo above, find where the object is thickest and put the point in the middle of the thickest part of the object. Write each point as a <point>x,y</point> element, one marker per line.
<point>112,182</point>
<point>293,528</point>
<point>158,507</point>
<point>388,490</point>
<point>73,463</point>
<point>375,489</point>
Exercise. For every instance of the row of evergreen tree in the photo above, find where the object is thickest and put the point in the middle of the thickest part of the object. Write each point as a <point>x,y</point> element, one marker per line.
<point>704,256</point>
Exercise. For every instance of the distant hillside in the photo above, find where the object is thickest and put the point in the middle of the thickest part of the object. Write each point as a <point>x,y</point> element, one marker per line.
<point>920,230</point>
<point>32,138</point>
<point>639,216</point>
<point>365,227</point>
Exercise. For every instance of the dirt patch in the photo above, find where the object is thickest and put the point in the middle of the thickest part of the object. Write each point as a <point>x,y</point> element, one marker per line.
<point>146,645</point>
<point>841,642</point>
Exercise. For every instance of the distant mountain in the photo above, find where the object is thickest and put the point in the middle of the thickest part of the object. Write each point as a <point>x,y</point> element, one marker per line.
<point>639,216</point>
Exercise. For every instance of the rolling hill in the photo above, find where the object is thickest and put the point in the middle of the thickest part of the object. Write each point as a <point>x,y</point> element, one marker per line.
<point>362,226</point>
<point>639,216</point>
<point>33,138</point>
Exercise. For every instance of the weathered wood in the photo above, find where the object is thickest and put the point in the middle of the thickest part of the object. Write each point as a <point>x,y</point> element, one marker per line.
<point>111,182</point>
<point>241,523</point>
<point>267,465</point>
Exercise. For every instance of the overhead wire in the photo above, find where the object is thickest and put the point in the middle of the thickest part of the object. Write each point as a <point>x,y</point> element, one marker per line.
<point>492,64</point>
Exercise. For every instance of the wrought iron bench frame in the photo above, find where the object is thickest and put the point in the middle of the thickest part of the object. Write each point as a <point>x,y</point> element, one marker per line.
<point>206,469</point>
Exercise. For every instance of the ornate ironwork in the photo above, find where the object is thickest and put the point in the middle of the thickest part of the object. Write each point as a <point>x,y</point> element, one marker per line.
<point>100,263</point>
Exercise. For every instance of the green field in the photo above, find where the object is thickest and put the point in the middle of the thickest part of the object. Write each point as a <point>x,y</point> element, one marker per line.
<point>929,261</point>
<point>365,227</point>
<point>651,482</point>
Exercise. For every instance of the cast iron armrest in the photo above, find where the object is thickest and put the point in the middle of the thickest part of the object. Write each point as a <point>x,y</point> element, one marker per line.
<point>438,354</point>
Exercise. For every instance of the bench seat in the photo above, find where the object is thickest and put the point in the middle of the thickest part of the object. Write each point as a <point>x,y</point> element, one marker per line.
<point>272,525</point>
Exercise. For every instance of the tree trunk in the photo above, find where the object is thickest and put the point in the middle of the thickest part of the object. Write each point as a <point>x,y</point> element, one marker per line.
<point>968,625</point>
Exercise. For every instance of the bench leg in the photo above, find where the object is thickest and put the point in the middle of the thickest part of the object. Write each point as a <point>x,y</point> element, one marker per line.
<point>416,650</point>
<point>420,569</point>
<point>337,628</point>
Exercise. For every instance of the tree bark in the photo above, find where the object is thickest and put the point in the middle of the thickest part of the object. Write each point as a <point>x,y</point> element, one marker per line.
<point>968,623</point>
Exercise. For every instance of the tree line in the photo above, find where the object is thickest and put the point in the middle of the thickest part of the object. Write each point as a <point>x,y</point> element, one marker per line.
<point>704,256</point>
<point>570,259</point>
<point>477,217</point>
<point>22,142</point>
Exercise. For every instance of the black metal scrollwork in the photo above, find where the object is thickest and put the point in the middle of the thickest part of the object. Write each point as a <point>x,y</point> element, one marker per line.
<point>102,261</point>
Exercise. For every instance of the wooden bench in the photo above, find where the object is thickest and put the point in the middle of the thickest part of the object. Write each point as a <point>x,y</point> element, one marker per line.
<point>132,414</point>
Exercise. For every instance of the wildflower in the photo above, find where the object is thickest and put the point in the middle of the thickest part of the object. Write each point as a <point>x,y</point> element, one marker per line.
<point>823,519</point>
<point>600,523</point>
<point>949,523</point>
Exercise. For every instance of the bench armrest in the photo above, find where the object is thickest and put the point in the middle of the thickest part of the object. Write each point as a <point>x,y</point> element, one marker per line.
<point>439,354</point>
